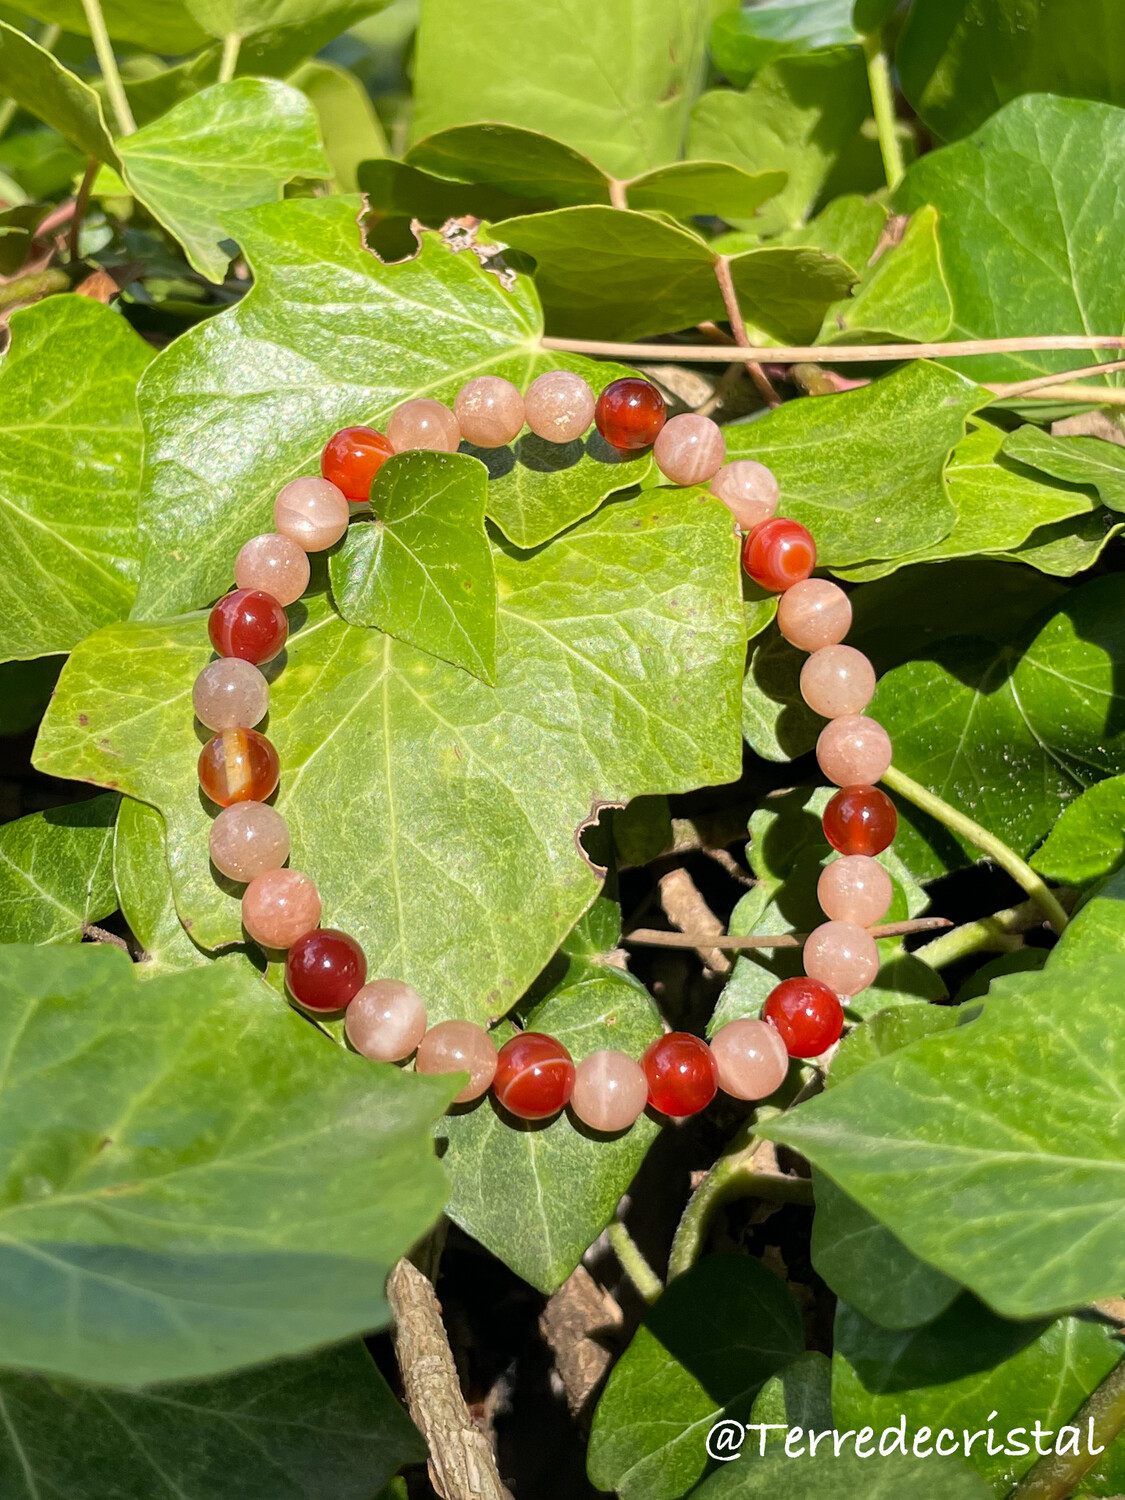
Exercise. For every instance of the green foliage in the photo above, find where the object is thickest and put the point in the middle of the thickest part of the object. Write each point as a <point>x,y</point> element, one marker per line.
<point>348,123</point>
<point>742,41</point>
<point>41,84</point>
<point>1077,460</point>
<point>1088,841</point>
<point>826,1477</point>
<point>56,872</point>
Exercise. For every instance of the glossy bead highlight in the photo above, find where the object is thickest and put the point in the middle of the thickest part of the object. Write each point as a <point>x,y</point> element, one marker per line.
<point>837,680</point>
<point>860,820</point>
<point>238,765</point>
<point>248,624</point>
<point>751,1058</point>
<point>351,459</point>
<point>855,889</point>
<point>230,694</point>
<point>559,406</point>
<point>424,424</point>
<point>806,1014</point>
<point>682,1074</point>
<point>853,749</point>
<point>534,1076</point>
<point>610,1091</point>
<point>311,512</point>
<point>689,449</point>
<point>325,969</point>
<point>489,412</point>
<point>748,490</point>
<point>778,553</point>
<point>247,839</point>
<point>280,906</point>
<point>813,614</point>
<point>275,565</point>
<point>629,414</point>
<point>386,1020</point>
<point>459,1047</point>
<point>842,955</point>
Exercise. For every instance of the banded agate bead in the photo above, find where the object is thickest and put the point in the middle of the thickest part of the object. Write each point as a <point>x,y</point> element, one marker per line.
<point>534,1076</point>
<point>249,624</point>
<point>275,565</point>
<point>424,424</point>
<point>459,1047</point>
<point>778,554</point>
<point>842,955</point>
<point>751,1058</point>
<point>689,449</point>
<point>386,1020</point>
<point>855,889</point>
<point>489,412</point>
<point>559,406</point>
<point>610,1091</point>
<point>280,906</point>
<point>238,765</point>
<point>351,459</point>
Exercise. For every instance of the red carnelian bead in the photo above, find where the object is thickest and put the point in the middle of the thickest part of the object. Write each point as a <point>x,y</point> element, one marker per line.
<point>682,1074</point>
<point>238,765</point>
<point>807,1014</point>
<point>860,820</point>
<point>630,414</point>
<point>248,624</point>
<point>534,1076</point>
<point>779,553</point>
<point>325,969</point>
<point>351,459</point>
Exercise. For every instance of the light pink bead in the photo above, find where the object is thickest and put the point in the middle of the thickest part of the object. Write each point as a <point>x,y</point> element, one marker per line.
<point>459,1047</point>
<point>842,955</point>
<point>311,512</point>
<point>610,1091</point>
<point>856,889</point>
<point>837,680</point>
<point>489,411</point>
<point>386,1020</point>
<point>853,750</point>
<point>274,563</point>
<point>752,1059</point>
<point>247,839</point>
<point>280,906</point>
<point>748,490</point>
<point>230,694</point>
<point>689,449</point>
<point>814,614</point>
<point>424,424</point>
<point>559,406</point>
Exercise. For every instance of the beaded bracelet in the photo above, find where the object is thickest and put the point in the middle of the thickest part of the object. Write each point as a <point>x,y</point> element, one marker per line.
<point>533,1076</point>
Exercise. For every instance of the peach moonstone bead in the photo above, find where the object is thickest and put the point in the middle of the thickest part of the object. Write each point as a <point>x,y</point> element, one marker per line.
<point>689,449</point>
<point>610,1091</point>
<point>489,411</point>
<point>752,1059</point>
<point>311,512</point>
<point>814,614</point>
<point>386,1020</point>
<point>274,563</point>
<point>230,694</point>
<point>853,750</point>
<point>423,424</point>
<point>855,889</point>
<point>837,680</point>
<point>247,839</point>
<point>748,490</point>
<point>559,406</point>
<point>842,955</point>
<point>459,1047</point>
<point>279,907</point>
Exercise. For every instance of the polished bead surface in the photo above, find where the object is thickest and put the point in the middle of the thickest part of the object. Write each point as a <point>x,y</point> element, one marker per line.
<point>275,564</point>
<point>247,839</point>
<point>690,449</point>
<point>238,765</point>
<point>351,459</point>
<point>748,490</point>
<point>559,406</point>
<point>230,694</point>
<point>489,411</point>
<point>853,749</point>
<point>248,624</point>
<point>778,553</point>
<point>386,1020</point>
<point>842,955</point>
<point>807,1015</point>
<point>630,413</point>
<point>311,512</point>
<point>610,1091</point>
<point>860,820</point>
<point>855,889</point>
<point>325,969</point>
<point>837,680</point>
<point>459,1047</point>
<point>425,424</point>
<point>751,1058</point>
<point>813,614</point>
<point>279,906</point>
<point>682,1074</point>
<point>534,1076</point>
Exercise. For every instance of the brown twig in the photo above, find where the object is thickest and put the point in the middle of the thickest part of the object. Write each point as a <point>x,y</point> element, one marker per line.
<point>1098,1423</point>
<point>647,937</point>
<point>101,935</point>
<point>738,328</point>
<point>839,354</point>
<point>685,908</point>
<point>1008,389</point>
<point>81,202</point>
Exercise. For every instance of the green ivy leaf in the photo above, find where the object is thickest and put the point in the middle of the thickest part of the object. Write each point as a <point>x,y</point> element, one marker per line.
<point>848,1477</point>
<point>801,1396</point>
<point>903,296</point>
<point>1088,841</point>
<point>349,126</point>
<point>776,723</point>
<point>869,16</point>
<point>37,81</point>
<point>1097,929</point>
<point>1067,547</point>
<point>158,25</point>
<point>849,226</point>
<point>513,161</point>
<point>1077,460</point>
<point>56,872</point>
<point>687,188</point>
<point>742,41</point>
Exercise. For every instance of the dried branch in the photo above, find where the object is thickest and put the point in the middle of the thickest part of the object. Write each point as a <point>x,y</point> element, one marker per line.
<point>1008,389</point>
<point>839,354</point>
<point>738,328</point>
<point>575,1320</point>
<point>685,908</point>
<point>647,937</point>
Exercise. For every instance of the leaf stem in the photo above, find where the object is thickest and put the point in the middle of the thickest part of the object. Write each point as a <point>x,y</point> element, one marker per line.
<point>1007,389</point>
<point>81,203</point>
<point>1101,1419</point>
<point>126,125</point>
<point>838,354</point>
<point>738,328</point>
<point>232,45</point>
<point>999,933</point>
<point>633,1262</point>
<point>720,1184</point>
<point>1109,396</point>
<point>957,822</point>
<point>617,188</point>
<point>31,287</point>
<point>46,39</point>
<point>883,104</point>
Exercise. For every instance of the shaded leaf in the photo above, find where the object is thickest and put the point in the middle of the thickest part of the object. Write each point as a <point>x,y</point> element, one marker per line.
<point>37,81</point>
<point>513,161</point>
<point>903,296</point>
<point>25,690</point>
<point>1078,460</point>
<point>56,872</point>
<point>349,126</point>
<point>1067,547</point>
<point>776,723</point>
<point>687,188</point>
<point>1088,841</point>
<point>746,39</point>
<point>848,1477</point>
<point>159,25</point>
<point>801,1396</point>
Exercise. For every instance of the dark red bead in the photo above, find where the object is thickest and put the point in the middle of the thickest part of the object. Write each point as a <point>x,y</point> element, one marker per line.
<point>325,969</point>
<point>249,624</point>
<point>779,553</point>
<point>630,414</point>
<point>534,1076</point>
<point>807,1015</point>
<point>860,820</point>
<point>351,459</point>
<point>682,1074</point>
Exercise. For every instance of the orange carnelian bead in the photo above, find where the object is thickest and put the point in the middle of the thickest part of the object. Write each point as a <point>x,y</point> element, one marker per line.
<point>630,414</point>
<point>238,765</point>
<point>682,1074</point>
<point>351,459</point>
<point>779,553</point>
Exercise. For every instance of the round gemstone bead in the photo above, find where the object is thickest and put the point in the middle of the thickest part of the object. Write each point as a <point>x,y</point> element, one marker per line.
<point>855,889</point>
<point>630,413</point>
<point>230,694</point>
<point>860,820</point>
<point>682,1074</point>
<point>837,680</point>
<point>807,1014</point>
<point>280,906</point>
<point>311,512</point>
<point>842,955</point>
<point>248,624</point>
<point>238,765</point>
<point>275,565</point>
<point>690,449</point>
<point>813,614</point>
<point>559,406</point>
<point>325,969</point>
<point>489,411</point>
<point>534,1076</point>
<point>748,490</point>
<point>778,553</point>
<point>351,459</point>
<point>751,1059</point>
<point>424,424</point>
<point>247,839</point>
<point>459,1047</point>
<point>386,1020</point>
<point>853,749</point>
<point>610,1091</point>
